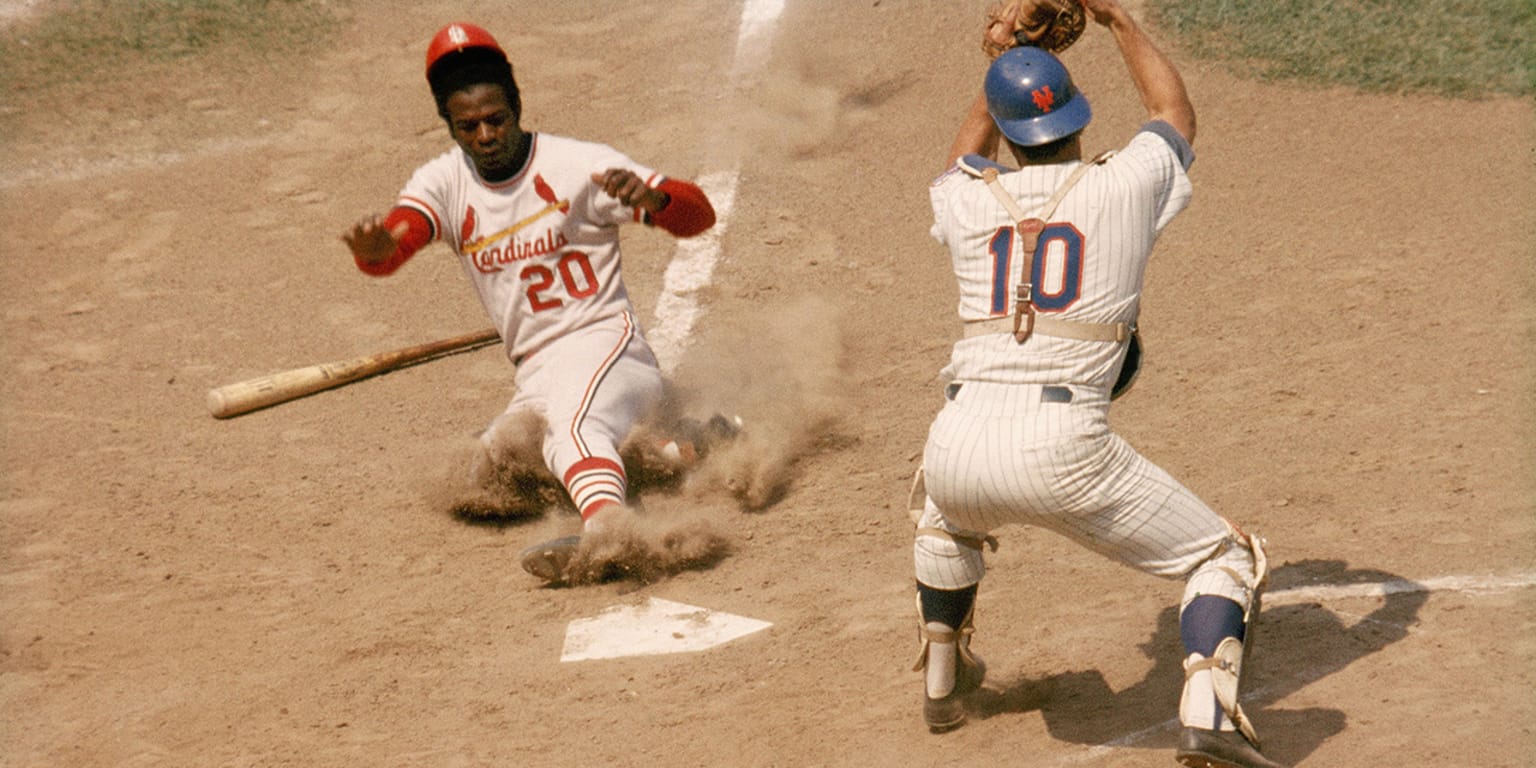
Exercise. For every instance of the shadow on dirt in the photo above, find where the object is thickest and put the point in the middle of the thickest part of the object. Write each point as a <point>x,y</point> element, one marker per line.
<point>1294,645</point>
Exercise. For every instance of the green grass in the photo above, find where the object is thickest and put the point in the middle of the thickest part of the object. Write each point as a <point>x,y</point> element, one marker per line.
<point>74,40</point>
<point>1456,48</point>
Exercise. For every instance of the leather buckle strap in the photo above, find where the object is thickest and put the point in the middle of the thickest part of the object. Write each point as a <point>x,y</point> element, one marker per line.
<point>970,542</point>
<point>1025,319</point>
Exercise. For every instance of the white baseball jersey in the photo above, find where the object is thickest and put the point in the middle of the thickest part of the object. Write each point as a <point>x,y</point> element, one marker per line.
<point>1088,265</point>
<point>1024,434</point>
<point>542,251</point>
<point>541,248</point>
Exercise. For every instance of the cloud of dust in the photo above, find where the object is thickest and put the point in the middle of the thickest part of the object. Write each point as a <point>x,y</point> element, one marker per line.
<point>784,380</point>
<point>506,484</point>
<point>796,117</point>
<point>806,105</point>
<point>645,548</point>
<point>782,377</point>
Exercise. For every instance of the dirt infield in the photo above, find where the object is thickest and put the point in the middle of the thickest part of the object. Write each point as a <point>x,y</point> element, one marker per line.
<point>1339,331</point>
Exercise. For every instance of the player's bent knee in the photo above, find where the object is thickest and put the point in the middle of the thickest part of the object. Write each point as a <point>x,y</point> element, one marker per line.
<point>945,564</point>
<point>1236,571</point>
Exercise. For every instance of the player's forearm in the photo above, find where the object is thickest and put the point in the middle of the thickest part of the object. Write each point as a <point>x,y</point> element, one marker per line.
<point>978,134</point>
<point>409,231</point>
<point>1158,81</point>
<point>379,267</point>
<point>687,210</point>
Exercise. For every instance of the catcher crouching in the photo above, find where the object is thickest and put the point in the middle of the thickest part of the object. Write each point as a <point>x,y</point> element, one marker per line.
<point>1023,436</point>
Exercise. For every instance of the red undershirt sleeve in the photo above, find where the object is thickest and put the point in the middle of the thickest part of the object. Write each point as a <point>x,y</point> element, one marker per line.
<point>418,234</point>
<point>689,211</point>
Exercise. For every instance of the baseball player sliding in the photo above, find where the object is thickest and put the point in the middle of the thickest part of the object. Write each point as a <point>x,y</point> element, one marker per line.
<point>534,220</point>
<point>1049,259</point>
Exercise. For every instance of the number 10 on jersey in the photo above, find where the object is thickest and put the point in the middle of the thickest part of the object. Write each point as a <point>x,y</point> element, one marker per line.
<point>1056,271</point>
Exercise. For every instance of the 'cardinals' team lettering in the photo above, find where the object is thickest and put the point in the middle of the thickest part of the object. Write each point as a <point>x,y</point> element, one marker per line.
<point>535,219</point>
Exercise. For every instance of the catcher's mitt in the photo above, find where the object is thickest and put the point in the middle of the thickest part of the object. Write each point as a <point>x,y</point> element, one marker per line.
<point>1050,24</point>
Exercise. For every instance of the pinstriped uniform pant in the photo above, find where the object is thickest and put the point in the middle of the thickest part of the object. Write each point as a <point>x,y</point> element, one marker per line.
<point>1009,453</point>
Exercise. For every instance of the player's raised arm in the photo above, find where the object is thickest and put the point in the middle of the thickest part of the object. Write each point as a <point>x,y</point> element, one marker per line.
<point>977,135</point>
<point>1161,87</point>
<point>679,207</point>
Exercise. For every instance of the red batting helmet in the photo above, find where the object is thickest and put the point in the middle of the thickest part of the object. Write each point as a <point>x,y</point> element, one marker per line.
<point>459,37</point>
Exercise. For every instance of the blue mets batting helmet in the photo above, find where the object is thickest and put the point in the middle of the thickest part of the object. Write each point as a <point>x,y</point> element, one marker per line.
<point>1031,97</point>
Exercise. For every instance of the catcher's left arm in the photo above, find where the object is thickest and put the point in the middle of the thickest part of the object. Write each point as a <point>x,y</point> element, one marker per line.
<point>1050,24</point>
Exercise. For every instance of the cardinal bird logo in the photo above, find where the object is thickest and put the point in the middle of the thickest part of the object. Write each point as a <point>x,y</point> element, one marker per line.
<point>467,232</point>
<point>541,188</point>
<point>545,193</point>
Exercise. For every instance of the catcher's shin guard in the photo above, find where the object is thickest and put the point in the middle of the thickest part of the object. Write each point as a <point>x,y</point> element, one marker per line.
<point>950,669</point>
<point>1218,676</point>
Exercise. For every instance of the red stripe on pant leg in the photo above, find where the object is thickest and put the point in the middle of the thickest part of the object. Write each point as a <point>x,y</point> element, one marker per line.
<point>595,482</point>
<point>596,381</point>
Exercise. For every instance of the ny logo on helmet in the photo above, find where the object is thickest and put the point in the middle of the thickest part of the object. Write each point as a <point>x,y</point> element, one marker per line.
<point>457,35</point>
<point>1044,99</point>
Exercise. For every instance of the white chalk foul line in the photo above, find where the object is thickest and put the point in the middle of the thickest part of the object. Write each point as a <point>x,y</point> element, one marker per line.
<point>691,269</point>
<point>1476,585</point>
<point>1472,585</point>
<point>693,264</point>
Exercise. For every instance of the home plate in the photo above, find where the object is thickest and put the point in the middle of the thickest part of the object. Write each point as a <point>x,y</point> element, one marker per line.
<point>657,627</point>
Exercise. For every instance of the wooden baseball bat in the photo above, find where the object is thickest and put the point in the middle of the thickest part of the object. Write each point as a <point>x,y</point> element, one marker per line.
<point>251,394</point>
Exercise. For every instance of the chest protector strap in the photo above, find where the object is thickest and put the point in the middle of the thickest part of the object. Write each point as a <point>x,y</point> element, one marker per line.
<point>1025,321</point>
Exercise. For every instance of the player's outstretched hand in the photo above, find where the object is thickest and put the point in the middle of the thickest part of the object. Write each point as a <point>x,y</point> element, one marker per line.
<point>628,188</point>
<point>370,242</point>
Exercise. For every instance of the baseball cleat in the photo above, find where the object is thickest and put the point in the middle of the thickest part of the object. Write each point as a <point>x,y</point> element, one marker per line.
<point>1201,748</point>
<point>944,714</point>
<point>718,430</point>
<point>722,428</point>
<point>948,713</point>
<point>548,560</point>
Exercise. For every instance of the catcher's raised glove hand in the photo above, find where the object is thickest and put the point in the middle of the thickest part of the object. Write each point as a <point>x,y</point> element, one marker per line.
<point>1050,24</point>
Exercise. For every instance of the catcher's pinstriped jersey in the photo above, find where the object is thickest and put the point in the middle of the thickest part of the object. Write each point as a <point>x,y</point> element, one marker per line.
<point>1088,265</point>
<point>1024,434</point>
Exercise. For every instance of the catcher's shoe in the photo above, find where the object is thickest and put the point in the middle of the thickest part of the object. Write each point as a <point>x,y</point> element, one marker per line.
<point>1201,748</point>
<point>548,560</point>
<point>948,713</point>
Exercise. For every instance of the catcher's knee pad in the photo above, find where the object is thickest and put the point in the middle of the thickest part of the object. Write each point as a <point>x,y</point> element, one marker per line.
<point>1237,571</point>
<point>943,556</point>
